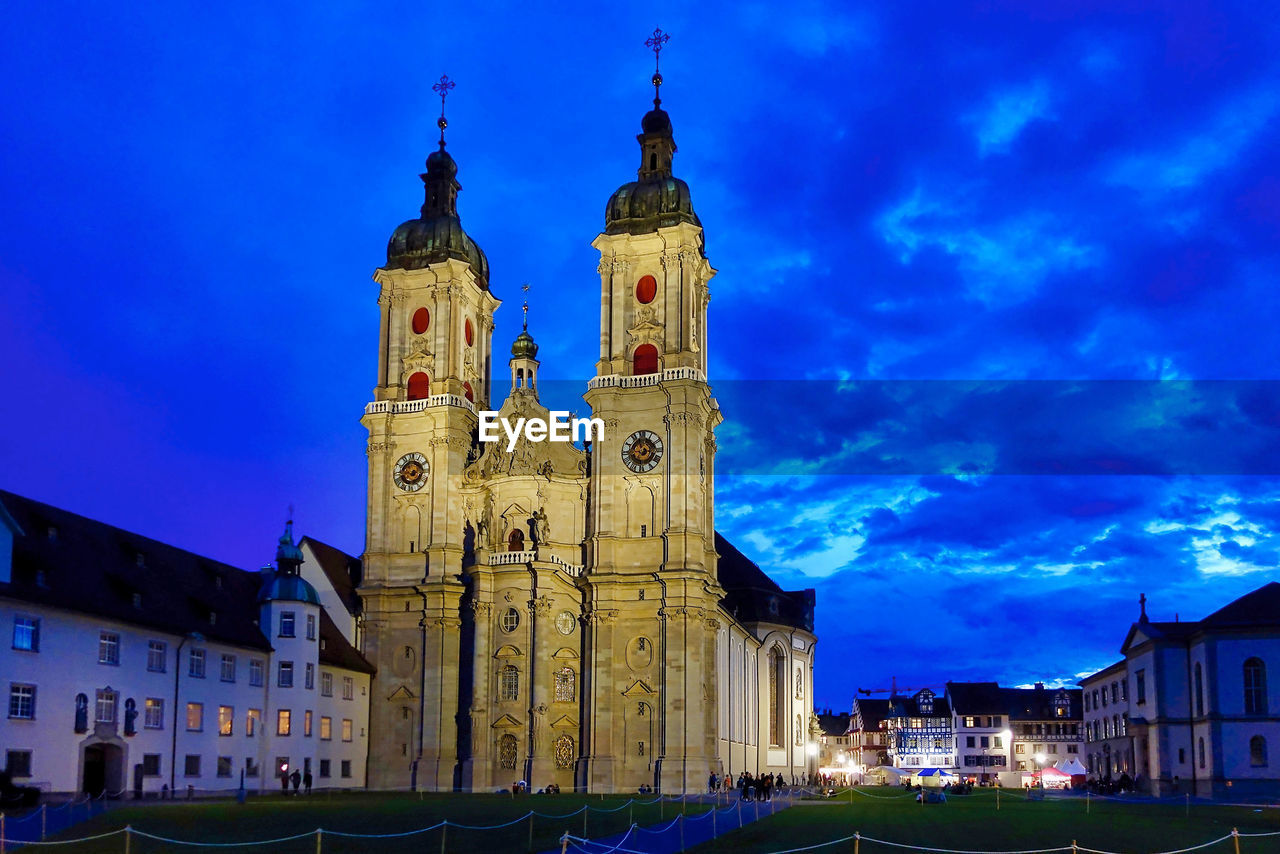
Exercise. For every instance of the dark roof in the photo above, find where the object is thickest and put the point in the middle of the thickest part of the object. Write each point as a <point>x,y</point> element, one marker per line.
<point>342,570</point>
<point>68,561</point>
<point>834,724</point>
<point>751,596</point>
<point>336,650</point>
<point>872,712</point>
<point>909,707</point>
<point>1259,608</point>
<point>1017,704</point>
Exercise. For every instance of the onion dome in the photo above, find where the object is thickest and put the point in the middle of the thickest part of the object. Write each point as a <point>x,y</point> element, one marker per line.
<point>437,234</point>
<point>524,346</point>
<point>656,199</point>
<point>288,588</point>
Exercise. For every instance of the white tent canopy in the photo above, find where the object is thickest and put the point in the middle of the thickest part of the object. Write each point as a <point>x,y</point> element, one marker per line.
<point>1072,766</point>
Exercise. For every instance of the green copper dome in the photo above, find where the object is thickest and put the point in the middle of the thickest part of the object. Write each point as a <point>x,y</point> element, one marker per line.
<point>524,346</point>
<point>288,588</point>
<point>437,235</point>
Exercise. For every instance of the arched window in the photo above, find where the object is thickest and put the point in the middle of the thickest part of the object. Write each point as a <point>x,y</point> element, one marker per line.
<point>515,540</point>
<point>1255,687</point>
<point>645,360</point>
<point>777,681</point>
<point>1200,749</point>
<point>468,393</point>
<point>507,751</point>
<point>1199,689</point>
<point>82,712</point>
<point>419,386</point>
<point>564,751</point>
<point>1258,752</point>
<point>566,685</point>
<point>510,683</point>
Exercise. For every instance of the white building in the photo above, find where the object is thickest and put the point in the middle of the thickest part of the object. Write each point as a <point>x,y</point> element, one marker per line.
<point>134,665</point>
<point>1202,717</point>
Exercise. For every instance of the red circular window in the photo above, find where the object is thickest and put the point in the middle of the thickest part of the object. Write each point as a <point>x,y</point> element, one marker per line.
<point>421,320</point>
<point>646,289</point>
<point>419,386</point>
<point>466,390</point>
<point>469,332</point>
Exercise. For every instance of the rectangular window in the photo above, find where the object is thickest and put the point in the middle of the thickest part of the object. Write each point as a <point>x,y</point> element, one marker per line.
<point>153,713</point>
<point>346,729</point>
<point>191,766</point>
<point>226,716</point>
<point>250,767</point>
<point>195,717</point>
<point>311,626</point>
<point>151,764</point>
<point>255,672</point>
<point>969,741</point>
<point>1140,686</point>
<point>157,655</point>
<point>997,742</point>
<point>224,766</point>
<point>228,670</point>
<point>22,701</point>
<point>311,676</point>
<point>348,688</point>
<point>306,723</point>
<point>326,727</point>
<point>324,767</point>
<point>283,722</point>
<point>968,721</point>
<point>105,712</point>
<point>284,676</point>
<point>286,624</point>
<point>252,721</point>
<point>108,648</point>
<point>18,762</point>
<point>1019,748</point>
<point>326,683</point>
<point>986,741</point>
<point>26,634</point>
<point>346,768</point>
<point>195,663</point>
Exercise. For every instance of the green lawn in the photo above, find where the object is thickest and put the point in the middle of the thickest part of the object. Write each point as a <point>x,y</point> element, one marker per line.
<point>275,816</point>
<point>973,823</point>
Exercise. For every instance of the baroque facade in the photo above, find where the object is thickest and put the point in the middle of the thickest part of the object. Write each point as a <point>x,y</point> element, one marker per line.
<point>555,613</point>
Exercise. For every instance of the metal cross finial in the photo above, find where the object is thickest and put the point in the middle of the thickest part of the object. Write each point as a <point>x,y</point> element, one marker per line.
<point>291,512</point>
<point>655,43</point>
<point>442,88</point>
<point>525,288</point>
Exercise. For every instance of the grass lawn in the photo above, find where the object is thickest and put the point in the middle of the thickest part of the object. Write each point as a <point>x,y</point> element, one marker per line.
<point>274,816</point>
<point>972,822</point>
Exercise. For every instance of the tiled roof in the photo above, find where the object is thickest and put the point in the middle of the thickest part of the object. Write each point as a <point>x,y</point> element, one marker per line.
<point>342,570</point>
<point>1017,704</point>
<point>336,650</point>
<point>1259,608</point>
<point>752,596</point>
<point>873,712</point>
<point>834,724</point>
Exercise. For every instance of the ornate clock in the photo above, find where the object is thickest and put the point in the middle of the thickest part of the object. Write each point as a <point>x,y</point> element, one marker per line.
<point>642,451</point>
<point>411,472</point>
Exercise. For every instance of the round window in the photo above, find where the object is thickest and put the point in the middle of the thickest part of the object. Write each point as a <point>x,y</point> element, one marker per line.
<point>421,320</point>
<point>469,332</point>
<point>646,289</point>
<point>510,620</point>
<point>565,622</point>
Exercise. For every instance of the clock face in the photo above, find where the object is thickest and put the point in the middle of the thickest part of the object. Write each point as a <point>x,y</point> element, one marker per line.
<point>565,623</point>
<point>411,472</point>
<point>642,451</point>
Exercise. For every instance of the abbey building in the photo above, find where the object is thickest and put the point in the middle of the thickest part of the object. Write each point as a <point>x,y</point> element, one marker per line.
<point>550,613</point>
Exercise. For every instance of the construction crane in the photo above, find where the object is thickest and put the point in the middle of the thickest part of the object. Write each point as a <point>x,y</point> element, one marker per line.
<point>893,691</point>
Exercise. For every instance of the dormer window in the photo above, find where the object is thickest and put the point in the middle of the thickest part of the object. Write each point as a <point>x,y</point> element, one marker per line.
<point>52,533</point>
<point>140,559</point>
<point>1062,705</point>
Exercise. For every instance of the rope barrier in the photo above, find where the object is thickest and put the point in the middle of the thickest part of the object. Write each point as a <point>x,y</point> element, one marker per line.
<point>400,835</point>
<point>72,841</point>
<point>146,835</point>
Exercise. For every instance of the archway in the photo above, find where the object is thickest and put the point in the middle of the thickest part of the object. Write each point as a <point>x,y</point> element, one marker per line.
<point>103,769</point>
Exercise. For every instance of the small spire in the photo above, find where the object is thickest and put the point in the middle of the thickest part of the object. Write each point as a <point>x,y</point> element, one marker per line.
<point>525,288</point>
<point>655,43</point>
<point>442,88</point>
<point>1142,604</point>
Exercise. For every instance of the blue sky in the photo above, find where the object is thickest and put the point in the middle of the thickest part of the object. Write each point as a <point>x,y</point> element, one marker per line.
<point>1022,200</point>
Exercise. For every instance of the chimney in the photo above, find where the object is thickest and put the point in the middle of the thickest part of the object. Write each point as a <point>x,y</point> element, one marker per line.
<point>1039,686</point>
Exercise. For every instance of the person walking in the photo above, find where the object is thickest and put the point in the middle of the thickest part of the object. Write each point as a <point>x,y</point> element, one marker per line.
<point>306,781</point>
<point>296,779</point>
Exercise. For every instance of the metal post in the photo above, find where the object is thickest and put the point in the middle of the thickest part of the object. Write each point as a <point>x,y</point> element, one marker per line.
<point>318,834</point>
<point>564,843</point>
<point>586,810</point>
<point>530,831</point>
<point>857,841</point>
<point>1073,847</point>
<point>128,833</point>
<point>1188,796</point>
<point>1235,839</point>
<point>444,834</point>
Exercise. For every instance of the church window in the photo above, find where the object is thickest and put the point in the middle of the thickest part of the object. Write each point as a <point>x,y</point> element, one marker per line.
<point>566,682</point>
<point>564,751</point>
<point>421,320</point>
<point>1200,750</point>
<point>507,752</point>
<point>515,541</point>
<point>468,393</point>
<point>777,683</point>
<point>510,687</point>
<point>510,620</point>
<point>1257,752</point>
<point>419,386</point>
<point>1199,689</point>
<point>469,332</point>
<point>653,161</point>
<point>1255,687</point>
<point>645,360</point>
<point>646,289</point>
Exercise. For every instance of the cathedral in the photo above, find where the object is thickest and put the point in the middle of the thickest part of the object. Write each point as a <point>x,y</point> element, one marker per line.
<point>551,613</point>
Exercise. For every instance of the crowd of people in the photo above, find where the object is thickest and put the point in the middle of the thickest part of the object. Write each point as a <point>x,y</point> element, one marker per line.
<point>750,787</point>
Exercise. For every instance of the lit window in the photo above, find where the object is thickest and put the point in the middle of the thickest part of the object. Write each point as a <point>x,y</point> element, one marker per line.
<point>347,729</point>
<point>226,715</point>
<point>283,722</point>
<point>252,721</point>
<point>510,682</point>
<point>153,713</point>
<point>195,717</point>
<point>306,723</point>
<point>326,728</point>
<point>566,681</point>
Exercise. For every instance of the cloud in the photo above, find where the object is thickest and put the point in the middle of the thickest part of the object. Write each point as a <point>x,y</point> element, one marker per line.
<point>1008,113</point>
